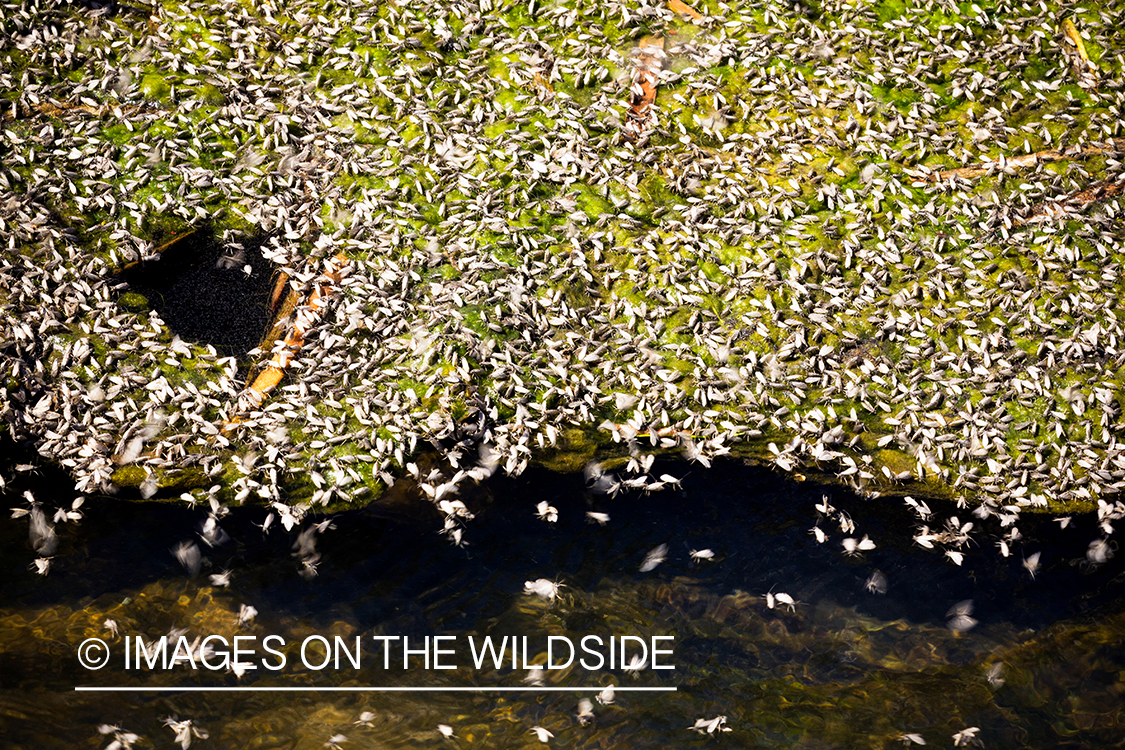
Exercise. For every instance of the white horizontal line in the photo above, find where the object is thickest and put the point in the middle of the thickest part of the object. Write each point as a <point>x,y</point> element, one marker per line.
<point>373,689</point>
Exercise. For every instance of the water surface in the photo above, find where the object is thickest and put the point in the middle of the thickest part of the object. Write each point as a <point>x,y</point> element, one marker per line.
<point>847,667</point>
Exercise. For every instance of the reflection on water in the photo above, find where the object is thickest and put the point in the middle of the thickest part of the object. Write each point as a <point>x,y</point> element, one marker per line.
<point>846,667</point>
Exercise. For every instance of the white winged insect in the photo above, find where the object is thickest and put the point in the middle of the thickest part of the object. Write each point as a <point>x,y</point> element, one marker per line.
<point>655,556</point>
<point>818,532</point>
<point>546,512</point>
<point>965,736</point>
<point>877,583</point>
<point>265,525</point>
<point>246,615</point>
<point>446,731</point>
<point>924,538</point>
<point>823,507</point>
<point>710,726</point>
<point>544,588</point>
<point>772,600</point>
<point>185,731</point>
<point>1031,563</point>
<point>606,696</point>
<point>635,665</point>
<point>919,507</point>
<point>189,556</point>
<point>853,547</point>
<point>599,518</point>
<point>585,711</point>
<point>786,601</point>
<point>598,481</point>
<point>455,509</point>
<point>122,739</point>
<point>542,734</point>
<point>911,739</point>
<point>699,555</point>
<point>959,617</point>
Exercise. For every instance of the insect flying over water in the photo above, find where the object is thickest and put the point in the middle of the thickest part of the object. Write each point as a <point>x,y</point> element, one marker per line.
<point>710,726</point>
<point>853,547</point>
<point>185,731</point>
<point>959,617</point>
<point>188,555</point>
<point>546,512</point>
<point>876,583</point>
<point>699,555</point>
<point>965,737</point>
<point>544,588</point>
<point>542,734</point>
<point>585,711</point>
<point>635,665</point>
<point>534,675</point>
<point>655,556</point>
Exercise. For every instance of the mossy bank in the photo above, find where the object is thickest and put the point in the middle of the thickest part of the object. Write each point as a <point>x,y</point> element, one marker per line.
<point>770,269</point>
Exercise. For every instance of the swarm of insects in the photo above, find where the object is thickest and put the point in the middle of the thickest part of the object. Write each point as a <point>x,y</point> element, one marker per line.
<point>770,224</point>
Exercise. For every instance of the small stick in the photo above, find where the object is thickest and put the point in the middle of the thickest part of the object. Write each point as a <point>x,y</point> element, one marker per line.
<point>265,381</point>
<point>1116,145</point>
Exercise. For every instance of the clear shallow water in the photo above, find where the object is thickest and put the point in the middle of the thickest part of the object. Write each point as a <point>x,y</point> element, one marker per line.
<point>846,668</point>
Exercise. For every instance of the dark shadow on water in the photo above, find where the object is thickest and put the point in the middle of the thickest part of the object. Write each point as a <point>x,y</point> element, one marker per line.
<point>773,671</point>
<point>208,293</point>
<point>756,521</point>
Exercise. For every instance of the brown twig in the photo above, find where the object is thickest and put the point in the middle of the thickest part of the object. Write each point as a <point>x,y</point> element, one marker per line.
<point>1076,201</point>
<point>20,111</point>
<point>1116,145</point>
<point>304,317</point>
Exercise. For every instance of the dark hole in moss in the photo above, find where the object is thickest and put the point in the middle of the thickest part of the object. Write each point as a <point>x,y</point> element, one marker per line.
<point>207,292</point>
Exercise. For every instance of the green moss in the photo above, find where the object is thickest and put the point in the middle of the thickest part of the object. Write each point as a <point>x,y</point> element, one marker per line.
<point>211,95</point>
<point>133,302</point>
<point>155,87</point>
<point>128,476</point>
<point>573,450</point>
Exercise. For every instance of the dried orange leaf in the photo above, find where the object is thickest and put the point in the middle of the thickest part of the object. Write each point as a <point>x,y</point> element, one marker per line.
<point>1071,33</point>
<point>678,6</point>
<point>649,60</point>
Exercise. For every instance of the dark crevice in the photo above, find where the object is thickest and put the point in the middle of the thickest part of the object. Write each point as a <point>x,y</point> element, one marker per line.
<point>206,292</point>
